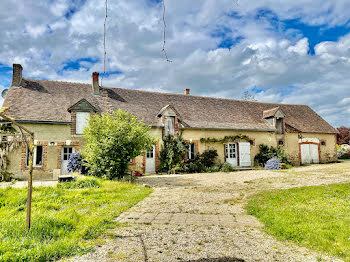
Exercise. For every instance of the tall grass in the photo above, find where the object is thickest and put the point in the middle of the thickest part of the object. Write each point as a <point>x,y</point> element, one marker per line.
<point>315,217</point>
<point>66,218</point>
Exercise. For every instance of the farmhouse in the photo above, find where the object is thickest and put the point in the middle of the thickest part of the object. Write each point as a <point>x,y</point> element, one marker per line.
<point>58,111</point>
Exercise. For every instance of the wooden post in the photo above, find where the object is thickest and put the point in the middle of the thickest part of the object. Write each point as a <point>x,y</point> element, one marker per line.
<point>30,147</point>
<point>30,188</point>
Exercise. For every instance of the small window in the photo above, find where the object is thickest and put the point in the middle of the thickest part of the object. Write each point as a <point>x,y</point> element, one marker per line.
<point>169,126</point>
<point>149,153</point>
<point>281,143</point>
<point>130,161</point>
<point>38,156</point>
<point>191,151</point>
<point>67,151</point>
<point>323,143</point>
<point>82,121</point>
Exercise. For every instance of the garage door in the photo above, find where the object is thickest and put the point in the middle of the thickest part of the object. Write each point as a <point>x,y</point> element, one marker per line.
<point>309,154</point>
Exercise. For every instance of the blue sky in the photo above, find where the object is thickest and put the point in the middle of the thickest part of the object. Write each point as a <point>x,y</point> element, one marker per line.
<point>281,51</point>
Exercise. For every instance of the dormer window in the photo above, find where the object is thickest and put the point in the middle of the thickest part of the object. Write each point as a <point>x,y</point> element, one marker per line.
<point>80,115</point>
<point>169,126</point>
<point>82,121</point>
<point>275,117</point>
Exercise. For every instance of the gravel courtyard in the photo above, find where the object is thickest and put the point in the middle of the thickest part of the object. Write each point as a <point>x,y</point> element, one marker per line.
<point>201,217</point>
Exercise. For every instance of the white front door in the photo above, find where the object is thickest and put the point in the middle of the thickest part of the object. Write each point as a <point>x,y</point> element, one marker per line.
<point>66,152</point>
<point>150,161</point>
<point>309,154</point>
<point>231,154</point>
<point>244,154</point>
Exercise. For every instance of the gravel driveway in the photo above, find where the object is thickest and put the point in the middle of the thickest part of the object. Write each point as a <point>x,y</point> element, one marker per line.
<point>201,217</point>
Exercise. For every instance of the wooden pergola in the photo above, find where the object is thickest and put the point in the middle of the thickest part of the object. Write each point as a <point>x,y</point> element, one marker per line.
<point>21,138</point>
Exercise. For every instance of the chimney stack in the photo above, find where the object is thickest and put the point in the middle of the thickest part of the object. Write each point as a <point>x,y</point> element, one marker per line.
<point>95,85</point>
<point>187,91</point>
<point>17,75</point>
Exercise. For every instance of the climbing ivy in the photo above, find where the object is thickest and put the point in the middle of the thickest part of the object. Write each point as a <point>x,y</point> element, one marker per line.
<point>225,139</point>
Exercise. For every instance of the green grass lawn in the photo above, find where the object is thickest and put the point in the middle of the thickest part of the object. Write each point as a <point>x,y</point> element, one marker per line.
<point>315,217</point>
<point>65,219</point>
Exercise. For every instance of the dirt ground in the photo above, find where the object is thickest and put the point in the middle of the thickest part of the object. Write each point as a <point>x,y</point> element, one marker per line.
<point>201,217</point>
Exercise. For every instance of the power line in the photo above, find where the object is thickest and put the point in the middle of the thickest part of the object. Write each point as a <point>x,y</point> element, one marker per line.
<point>104,43</point>
<point>164,34</point>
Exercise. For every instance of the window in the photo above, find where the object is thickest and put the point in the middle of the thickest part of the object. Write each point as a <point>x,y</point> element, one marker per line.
<point>230,150</point>
<point>191,151</point>
<point>280,142</point>
<point>149,153</point>
<point>323,143</point>
<point>279,126</point>
<point>169,126</point>
<point>67,151</point>
<point>38,156</point>
<point>82,121</point>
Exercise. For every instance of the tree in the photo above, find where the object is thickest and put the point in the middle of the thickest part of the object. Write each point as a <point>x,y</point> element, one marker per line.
<point>112,140</point>
<point>343,136</point>
<point>172,153</point>
<point>248,96</point>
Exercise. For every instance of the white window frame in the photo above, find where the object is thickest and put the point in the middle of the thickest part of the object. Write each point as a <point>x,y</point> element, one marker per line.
<point>79,131</point>
<point>169,126</point>
<point>189,151</point>
<point>35,157</point>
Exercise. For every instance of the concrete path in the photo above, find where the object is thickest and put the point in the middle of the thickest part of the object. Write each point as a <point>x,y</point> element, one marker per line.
<point>201,217</point>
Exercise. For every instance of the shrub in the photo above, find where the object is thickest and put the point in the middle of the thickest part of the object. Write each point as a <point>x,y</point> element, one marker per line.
<point>227,167</point>
<point>202,162</point>
<point>342,150</point>
<point>85,182</point>
<point>74,163</point>
<point>111,140</point>
<point>208,157</point>
<point>172,153</point>
<point>266,153</point>
<point>6,176</point>
<point>273,164</point>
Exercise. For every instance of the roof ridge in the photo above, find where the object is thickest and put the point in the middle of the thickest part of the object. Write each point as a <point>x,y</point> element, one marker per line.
<point>167,93</point>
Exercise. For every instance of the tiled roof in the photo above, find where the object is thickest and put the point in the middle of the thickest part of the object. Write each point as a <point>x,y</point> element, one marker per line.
<point>43,100</point>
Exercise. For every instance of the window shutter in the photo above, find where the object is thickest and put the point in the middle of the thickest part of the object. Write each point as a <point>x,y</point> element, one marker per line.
<point>82,121</point>
<point>225,150</point>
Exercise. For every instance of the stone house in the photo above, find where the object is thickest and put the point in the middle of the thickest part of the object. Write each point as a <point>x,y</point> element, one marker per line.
<point>58,111</point>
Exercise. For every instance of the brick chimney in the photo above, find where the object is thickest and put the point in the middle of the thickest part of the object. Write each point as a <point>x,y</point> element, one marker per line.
<point>187,91</point>
<point>17,75</point>
<point>95,85</point>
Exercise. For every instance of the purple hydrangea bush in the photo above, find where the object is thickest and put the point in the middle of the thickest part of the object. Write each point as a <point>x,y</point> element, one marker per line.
<point>74,163</point>
<point>273,164</point>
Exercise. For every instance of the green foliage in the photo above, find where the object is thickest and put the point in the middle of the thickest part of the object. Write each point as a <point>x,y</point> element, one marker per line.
<point>65,220</point>
<point>315,217</point>
<point>202,162</point>
<point>172,153</point>
<point>81,182</point>
<point>7,128</point>
<point>6,176</point>
<point>266,153</point>
<point>225,139</point>
<point>227,167</point>
<point>111,140</point>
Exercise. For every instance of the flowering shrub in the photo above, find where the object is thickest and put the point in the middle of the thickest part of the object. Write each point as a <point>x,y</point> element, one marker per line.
<point>273,164</point>
<point>74,162</point>
<point>342,150</point>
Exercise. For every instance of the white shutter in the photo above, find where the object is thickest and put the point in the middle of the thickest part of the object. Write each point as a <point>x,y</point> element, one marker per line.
<point>82,121</point>
<point>314,153</point>
<point>244,154</point>
<point>305,153</point>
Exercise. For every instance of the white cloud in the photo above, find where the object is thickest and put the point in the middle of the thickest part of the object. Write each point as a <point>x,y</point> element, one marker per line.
<point>40,36</point>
